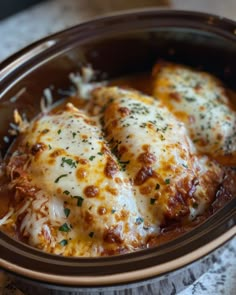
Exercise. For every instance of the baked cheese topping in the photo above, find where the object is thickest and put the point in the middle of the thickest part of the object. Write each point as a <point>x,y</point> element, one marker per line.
<point>105,179</point>
<point>75,199</point>
<point>154,150</point>
<point>200,101</point>
<point>81,191</point>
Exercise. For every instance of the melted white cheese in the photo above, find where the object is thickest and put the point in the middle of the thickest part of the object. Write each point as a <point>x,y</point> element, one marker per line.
<point>73,158</point>
<point>103,181</point>
<point>156,153</point>
<point>200,101</point>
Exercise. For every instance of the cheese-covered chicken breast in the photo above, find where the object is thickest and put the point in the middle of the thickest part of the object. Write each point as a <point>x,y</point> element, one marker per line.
<point>200,101</point>
<point>71,196</point>
<point>154,151</point>
<point>104,180</point>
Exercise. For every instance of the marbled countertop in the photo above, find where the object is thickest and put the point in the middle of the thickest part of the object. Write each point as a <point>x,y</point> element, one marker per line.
<point>48,17</point>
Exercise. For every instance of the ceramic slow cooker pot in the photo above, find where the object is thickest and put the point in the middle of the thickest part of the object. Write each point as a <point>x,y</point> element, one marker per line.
<point>117,45</point>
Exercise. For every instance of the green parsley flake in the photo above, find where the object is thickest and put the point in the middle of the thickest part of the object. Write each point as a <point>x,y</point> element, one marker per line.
<point>123,164</point>
<point>167,181</point>
<point>63,242</point>
<point>139,220</point>
<point>69,162</point>
<point>113,211</point>
<point>79,200</point>
<point>91,158</point>
<point>64,227</point>
<point>59,177</point>
<point>59,131</point>
<point>66,192</point>
<point>67,212</point>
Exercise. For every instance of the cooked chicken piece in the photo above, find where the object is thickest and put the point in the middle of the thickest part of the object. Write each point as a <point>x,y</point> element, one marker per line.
<point>104,180</point>
<point>199,100</point>
<point>154,150</point>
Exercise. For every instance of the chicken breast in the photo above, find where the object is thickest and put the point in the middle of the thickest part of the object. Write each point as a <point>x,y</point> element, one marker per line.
<point>200,101</point>
<point>71,197</point>
<point>154,151</point>
<point>106,179</point>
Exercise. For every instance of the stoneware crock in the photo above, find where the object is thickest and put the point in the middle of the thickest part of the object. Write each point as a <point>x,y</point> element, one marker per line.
<point>117,45</point>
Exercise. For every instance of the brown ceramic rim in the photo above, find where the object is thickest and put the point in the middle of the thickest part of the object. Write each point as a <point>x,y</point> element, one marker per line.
<point>106,271</point>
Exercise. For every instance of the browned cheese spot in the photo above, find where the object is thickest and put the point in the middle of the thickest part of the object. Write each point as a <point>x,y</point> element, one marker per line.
<point>175,96</point>
<point>112,190</point>
<point>122,149</point>
<point>45,131</point>
<point>177,207</point>
<point>111,168</point>
<point>88,218</point>
<point>59,190</point>
<point>143,175</point>
<point>91,191</point>
<point>81,173</point>
<point>122,216</point>
<point>90,122</point>
<point>146,190</point>
<point>57,153</point>
<point>124,111</point>
<point>38,147</point>
<point>147,158</point>
<point>114,123</point>
<point>112,236</point>
<point>102,210</point>
<point>146,147</point>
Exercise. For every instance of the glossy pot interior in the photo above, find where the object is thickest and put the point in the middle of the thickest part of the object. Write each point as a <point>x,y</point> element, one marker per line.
<point>116,46</point>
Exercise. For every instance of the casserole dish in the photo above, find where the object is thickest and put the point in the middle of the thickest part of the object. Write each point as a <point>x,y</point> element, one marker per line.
<point>117,45</point>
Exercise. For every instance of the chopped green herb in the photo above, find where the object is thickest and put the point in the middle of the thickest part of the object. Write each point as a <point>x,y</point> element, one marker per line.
<point>167,181</point>
<point>139,220</point>
<point>157,186</point>
<point>66,192</point>
<point>123,164</point>
<point>185,166</point>
<point>162,137</point>
<point>63,243</point>
<point>79,200</point>
<point>190,99</point>
<point>143,125</point>
<point>113,211</point>
<point>59,177</point>
<point>91,234</point>
<point>67,212</point>
<point>152,201</point>
<point>165,128</point>
<point>114,150</point>
<point>91,158</point>
<point>74,134</point>
<point>49,146</point>
<point>64,228</point>
<point>100,154</point>
<point>70,162</point>
<point>59,131</point>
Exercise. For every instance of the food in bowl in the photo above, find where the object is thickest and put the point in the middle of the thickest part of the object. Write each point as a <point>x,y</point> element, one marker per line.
<point>116,170</point>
